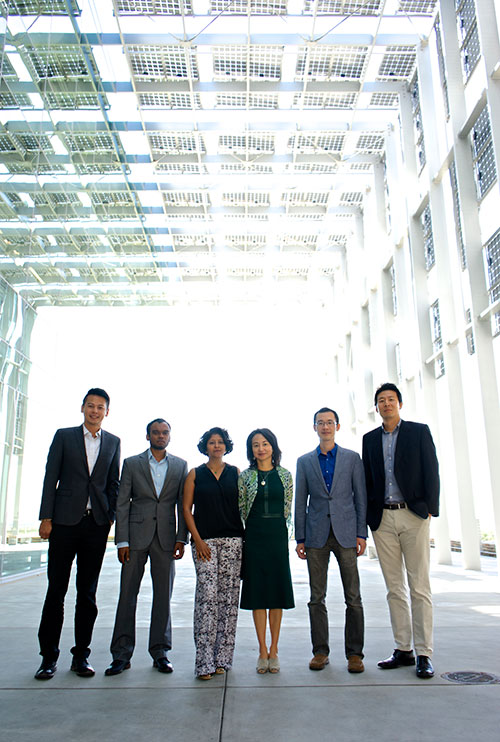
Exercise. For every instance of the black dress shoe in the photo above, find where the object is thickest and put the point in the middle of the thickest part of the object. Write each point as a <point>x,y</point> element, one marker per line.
<point>162,664</point>
<point>117,666</point>
<point>424,667</point>
<point>397,659</point>
<point>82,667</point>
<point>47,670</point>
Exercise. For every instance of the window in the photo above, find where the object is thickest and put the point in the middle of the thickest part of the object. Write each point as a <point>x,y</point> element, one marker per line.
<point>417,122</point>
<point>399,371</point>
<point>492,257</point>
<point>469,333</point>
<point>392,273</point>
<point>457,215</point>
<point>485,171</point>
<point>437,338</point>
<point>426,222</point>
<point>468,35</point>
<point>442,66</point>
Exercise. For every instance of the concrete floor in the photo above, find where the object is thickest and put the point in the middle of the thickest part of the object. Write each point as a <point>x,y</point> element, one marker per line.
<point>296,704</point>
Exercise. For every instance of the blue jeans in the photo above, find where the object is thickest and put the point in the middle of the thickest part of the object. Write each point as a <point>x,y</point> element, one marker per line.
<point>317,564</point>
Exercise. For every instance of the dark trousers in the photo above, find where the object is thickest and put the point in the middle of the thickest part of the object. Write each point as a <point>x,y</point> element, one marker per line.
<point>87,541</point>
<point>317,564</point>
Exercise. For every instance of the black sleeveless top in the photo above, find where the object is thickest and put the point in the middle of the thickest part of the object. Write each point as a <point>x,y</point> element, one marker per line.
<point>216,512</point>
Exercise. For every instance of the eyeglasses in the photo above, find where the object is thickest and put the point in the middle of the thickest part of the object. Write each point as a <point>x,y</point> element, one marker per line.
<point>325,423</point>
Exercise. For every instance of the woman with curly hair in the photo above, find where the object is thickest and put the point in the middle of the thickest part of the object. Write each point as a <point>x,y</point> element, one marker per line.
<point>265,500</point>
<point>216,539</point>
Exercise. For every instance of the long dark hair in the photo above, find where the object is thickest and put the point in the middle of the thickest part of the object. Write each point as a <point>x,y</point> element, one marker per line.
<point>270,438</point>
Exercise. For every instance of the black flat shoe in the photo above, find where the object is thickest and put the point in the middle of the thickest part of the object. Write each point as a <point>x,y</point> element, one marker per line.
<point>162,664</point>
<point>397,659</point>
<point>424,667</point>
<point>47,670</point>
<point>117,666</point>
<point>82,667</point>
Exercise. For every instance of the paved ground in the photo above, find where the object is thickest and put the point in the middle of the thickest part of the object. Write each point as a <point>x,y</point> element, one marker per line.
<point>297,704</point>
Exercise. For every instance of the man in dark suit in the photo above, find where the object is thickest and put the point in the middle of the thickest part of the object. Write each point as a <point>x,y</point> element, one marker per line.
<point>330,516</point>
<point>149,499</point>
<point>77,510</point>
<point>402,481</point>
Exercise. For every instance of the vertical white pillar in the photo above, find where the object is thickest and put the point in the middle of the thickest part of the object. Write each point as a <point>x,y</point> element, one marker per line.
<point>428,399</point>
<point>488,388</point>
<point>450,302</point>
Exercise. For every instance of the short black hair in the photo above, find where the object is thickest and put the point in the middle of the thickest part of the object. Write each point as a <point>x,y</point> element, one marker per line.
<point>156,420</point>
<point>97,392</point>
<point>270,438</point>
<point>388,387</point>
<point>326,409</point>
<point>202,444</point>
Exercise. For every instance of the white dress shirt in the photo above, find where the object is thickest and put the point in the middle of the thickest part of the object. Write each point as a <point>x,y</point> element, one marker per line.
<point>92,448</point>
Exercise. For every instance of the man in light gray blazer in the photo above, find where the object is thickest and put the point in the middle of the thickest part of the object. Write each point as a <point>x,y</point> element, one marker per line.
<point>330,516</point>
<point>149,523</point>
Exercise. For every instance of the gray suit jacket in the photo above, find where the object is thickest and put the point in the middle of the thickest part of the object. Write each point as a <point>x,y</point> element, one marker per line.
<point>344,507</point>
<point>140,513</point>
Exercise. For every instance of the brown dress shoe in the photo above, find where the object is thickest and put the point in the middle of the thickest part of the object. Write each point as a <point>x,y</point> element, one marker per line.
<point>355,664</point>
<point>318,662</point>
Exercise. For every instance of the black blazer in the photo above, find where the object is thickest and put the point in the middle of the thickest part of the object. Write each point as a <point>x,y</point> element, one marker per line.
<point>415,467</point>
<point>68,485</point>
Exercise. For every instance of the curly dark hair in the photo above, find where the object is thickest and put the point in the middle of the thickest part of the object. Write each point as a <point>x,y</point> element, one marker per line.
<point>202,445</point>
<point>270,438</point>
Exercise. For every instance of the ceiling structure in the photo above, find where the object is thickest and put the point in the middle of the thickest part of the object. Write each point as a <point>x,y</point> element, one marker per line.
<point>178,151</point>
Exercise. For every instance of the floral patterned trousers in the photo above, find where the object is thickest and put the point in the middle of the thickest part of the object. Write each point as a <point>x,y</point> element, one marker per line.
<point>216,604</point>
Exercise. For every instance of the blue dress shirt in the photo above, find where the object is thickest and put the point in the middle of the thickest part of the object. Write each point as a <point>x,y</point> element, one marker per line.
<point>327,464</point>
<point>158,471</point>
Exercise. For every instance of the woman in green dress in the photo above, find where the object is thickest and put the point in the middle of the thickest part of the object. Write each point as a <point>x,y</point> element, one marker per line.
<point>265,501</point>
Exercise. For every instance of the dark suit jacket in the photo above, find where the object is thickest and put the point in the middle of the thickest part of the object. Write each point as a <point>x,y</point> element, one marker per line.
<point>68,485</point>
<point>415,468</point>
<point>140,513</point>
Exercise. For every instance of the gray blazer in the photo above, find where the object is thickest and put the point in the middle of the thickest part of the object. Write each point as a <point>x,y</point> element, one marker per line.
<point>140,513</point>
<point>344,507</point>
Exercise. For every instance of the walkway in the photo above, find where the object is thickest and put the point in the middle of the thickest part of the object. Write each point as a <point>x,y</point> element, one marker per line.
<point>297,704</point>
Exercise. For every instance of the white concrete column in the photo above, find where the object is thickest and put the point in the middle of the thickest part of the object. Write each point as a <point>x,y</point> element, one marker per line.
<point>426,402</point>
<point>450,304</point>
<point>488,390</point>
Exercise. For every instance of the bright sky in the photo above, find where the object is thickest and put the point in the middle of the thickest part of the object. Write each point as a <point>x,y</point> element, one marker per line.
<point>243,367</point>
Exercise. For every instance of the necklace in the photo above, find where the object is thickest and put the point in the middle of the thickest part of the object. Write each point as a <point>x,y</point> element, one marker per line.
<point>263,477</point>
<point>218,472</point>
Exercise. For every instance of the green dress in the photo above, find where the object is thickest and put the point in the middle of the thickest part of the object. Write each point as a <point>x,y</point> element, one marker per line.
<point>267,582</point>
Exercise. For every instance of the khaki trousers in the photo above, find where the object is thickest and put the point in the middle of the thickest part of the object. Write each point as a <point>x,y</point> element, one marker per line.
<point>402,542</point>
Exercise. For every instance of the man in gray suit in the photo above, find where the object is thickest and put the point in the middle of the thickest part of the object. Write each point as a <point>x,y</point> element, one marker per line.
<point>149,499</point>
<point>330,515</point>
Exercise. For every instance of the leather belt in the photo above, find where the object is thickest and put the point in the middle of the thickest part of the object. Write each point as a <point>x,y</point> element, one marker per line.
<point>395,506</point>
<point>89,512</point>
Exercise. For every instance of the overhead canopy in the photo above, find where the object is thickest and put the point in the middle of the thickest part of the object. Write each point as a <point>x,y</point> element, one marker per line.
<point>173,151</point>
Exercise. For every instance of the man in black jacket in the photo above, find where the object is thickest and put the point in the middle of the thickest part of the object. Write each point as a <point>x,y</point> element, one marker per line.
<point>76,513</point>
<point>402,483</point>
